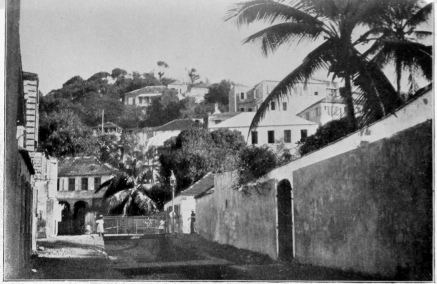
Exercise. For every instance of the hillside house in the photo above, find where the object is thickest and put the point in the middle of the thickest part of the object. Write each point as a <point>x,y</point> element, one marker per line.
<point>108,128</point>
<point>276,126</point>
<point>143,97</point>
<point>327,109</point>
<point>245,99</point>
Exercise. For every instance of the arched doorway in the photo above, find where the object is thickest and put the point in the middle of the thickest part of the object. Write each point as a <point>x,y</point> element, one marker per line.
<point>80,208</point>
<point>285,220</point>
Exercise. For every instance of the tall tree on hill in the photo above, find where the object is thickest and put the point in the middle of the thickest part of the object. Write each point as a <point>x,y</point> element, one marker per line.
<point>193,75</point>
<point>162,67</point>
<point>334,22</point>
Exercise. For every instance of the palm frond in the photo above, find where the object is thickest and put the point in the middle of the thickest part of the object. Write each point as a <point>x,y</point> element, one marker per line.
<point>120,182</point>
<point>274,36</point>
<point>104,185</point>
<point>117,202</point>
<point>376,94</point>
<point>421,34</point>
<point>315,60</point>
<point>269,11</point>
<point>420,16</point>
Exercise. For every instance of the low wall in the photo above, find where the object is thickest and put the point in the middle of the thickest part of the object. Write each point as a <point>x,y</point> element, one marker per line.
<point>369,209</point>
<point>232,217</point>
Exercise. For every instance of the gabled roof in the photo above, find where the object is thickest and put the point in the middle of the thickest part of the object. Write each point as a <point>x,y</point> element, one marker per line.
<point>272,118</point>
<point>107,124</point>
<point>202,185</point>
<point>177,124</point>
<point>83,166</point>
<point>147,90</point>
<point>327,99</point>
<point>223,115</point>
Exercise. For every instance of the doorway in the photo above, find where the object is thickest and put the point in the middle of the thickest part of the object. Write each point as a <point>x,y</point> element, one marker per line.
<point>285,220</point>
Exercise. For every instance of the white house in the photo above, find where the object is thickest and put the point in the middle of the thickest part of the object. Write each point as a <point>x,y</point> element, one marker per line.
<point>327,109</point>
<point>276,125</point>
<point>143,97</point>
<point>245,99</point>
<point>185,202</point>
<point>181,88</point>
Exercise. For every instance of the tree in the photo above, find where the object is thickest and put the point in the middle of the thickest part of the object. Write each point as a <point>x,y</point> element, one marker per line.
<point>117,72</point>
<point>219,93</point>
<point>196,151</point>
<point>398,42</point>
<point>63,134</point>
<point>193,75</point>
<point>126,196</point>
<point>162,66</point>
<point>334,22</point>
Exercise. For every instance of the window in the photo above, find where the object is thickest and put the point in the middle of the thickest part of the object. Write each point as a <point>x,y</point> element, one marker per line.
<point>316,93</point>
<point>303,134</point>
<point>242,109</point>
<point>287,136</point>
<point>250,109</point>
<point>317,111</point>
<point>284,106</point>
<point>217,121</point>
<point>272,106</point>
<point>59,182</point>
<point>84,183</point>
<point>97,182</point>
<point>271,136</point>
<point>254,137</point>
<point>71,184</point>
<point>242,96</point>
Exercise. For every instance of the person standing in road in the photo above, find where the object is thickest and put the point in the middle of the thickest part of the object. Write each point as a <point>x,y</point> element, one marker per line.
<point>193,219</point>
<point>100,229</point>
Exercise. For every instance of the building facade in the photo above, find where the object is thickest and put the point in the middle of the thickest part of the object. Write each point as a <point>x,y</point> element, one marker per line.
<point>143,97</point>
<point>78,178</point>
<point>245,99</point>
<point>276,127</point>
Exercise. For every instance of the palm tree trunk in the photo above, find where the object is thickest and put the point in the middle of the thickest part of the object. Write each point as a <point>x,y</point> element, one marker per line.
<point>349,103</point>
<point>398,78</point>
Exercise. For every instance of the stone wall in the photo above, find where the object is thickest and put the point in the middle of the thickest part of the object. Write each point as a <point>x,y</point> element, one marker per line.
<point>369,209</point>
<point>229,216</point>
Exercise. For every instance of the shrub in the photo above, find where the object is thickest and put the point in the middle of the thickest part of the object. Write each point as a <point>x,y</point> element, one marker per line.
<point>255,162</point>
<point>324,135</point>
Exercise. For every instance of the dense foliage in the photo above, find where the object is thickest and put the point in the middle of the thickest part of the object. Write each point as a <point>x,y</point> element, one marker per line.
<point>196,151</point>
<point>324,135</point>
<point>254,162</point>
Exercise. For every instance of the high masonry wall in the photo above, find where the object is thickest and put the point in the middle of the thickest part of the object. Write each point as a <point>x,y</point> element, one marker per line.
<point>370,209</point>
<point>363,203</point>
<point>231,217</point>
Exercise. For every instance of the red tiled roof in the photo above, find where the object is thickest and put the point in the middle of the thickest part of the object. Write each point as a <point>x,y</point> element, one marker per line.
<point>83,166</point>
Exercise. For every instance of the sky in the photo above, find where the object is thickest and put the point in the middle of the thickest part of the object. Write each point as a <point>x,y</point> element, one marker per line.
<point>64,38</point>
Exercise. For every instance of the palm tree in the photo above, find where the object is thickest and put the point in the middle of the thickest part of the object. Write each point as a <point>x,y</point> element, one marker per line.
<point>399,40</point>
<point>334,21</point>
<point>126,196</point>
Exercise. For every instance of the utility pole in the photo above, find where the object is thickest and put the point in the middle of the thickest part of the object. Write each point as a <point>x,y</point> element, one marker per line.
<point>172,183</point>
<point>103,118</point>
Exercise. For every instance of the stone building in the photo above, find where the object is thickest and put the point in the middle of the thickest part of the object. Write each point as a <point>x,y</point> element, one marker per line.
<point>18,195</point>
<point>78,178</point>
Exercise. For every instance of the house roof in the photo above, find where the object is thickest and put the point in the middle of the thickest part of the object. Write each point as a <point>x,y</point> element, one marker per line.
<point>202,185</point>
<point>147,90</point>
<point>327,99</point>
<point>223,115</point>
<point>159,139</point>
<point>107,124</point>
<point>177,124</point>
<point>272,118</point>
<point>83,166</point>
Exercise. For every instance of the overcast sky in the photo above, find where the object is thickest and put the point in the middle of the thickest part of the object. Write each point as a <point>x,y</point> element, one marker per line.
<point>64,38</point>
